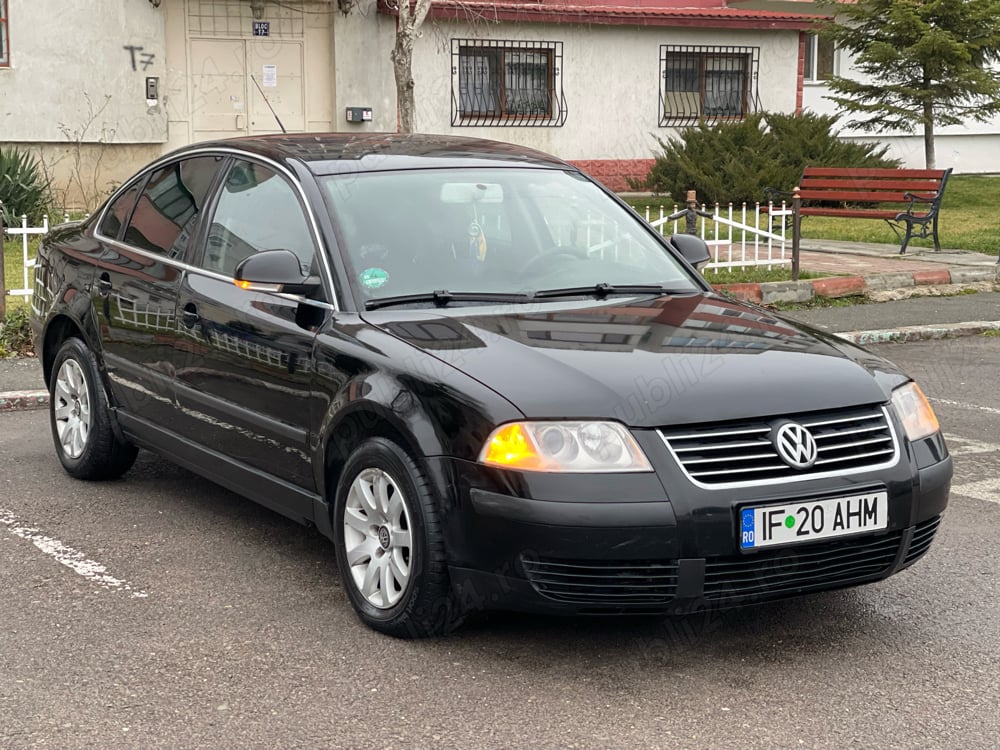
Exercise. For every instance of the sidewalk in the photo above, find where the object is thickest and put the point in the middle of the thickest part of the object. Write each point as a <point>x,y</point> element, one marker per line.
<point>877,272</point>
<point>924,292</point>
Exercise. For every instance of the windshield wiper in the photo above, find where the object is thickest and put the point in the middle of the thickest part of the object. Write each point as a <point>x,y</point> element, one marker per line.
<point>442,297</point>
<point>603,290</point>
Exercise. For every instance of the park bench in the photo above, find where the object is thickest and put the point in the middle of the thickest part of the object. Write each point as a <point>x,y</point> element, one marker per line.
<point>835,191</point>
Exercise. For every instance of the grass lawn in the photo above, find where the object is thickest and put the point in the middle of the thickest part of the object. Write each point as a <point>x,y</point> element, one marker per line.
<point>970,218</point>
<point>754,275</point>
<point>13,266</point>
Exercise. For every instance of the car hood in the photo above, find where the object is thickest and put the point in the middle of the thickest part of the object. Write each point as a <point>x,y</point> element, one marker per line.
<point>647,362</point>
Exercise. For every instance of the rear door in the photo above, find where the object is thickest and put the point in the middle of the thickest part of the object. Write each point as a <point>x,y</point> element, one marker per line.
<point>246,388</point>
<point>145,234</point>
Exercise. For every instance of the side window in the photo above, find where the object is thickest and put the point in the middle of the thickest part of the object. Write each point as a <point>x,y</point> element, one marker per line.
<point>170,204</point>
<point>257,210</point>
<point>820,55</point>
<point>117,213</point>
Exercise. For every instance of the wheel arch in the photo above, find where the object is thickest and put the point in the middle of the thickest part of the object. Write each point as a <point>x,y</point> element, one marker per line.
<point>354,425</point>
<point>60,328</point>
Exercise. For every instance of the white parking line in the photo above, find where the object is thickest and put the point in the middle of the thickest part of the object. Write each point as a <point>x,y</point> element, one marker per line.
<point>73,559</point>
<point>985,489</point>
<point>960,405</point>
<point>961,446</point>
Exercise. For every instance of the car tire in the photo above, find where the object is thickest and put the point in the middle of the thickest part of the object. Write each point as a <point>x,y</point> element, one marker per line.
<point>80,417</point>
<point>391,550</point>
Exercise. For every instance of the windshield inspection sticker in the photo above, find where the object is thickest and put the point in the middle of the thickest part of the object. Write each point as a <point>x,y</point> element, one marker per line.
<point>374,278</point>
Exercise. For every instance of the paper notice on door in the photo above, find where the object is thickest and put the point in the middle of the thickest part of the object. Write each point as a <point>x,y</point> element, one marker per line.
<point>270,76</point>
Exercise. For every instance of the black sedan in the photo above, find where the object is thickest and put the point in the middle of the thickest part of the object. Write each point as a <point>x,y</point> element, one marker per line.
<point>481,375</point>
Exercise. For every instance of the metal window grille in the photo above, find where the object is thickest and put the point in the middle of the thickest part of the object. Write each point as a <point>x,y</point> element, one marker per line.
<point>234,18</point>
<point>506,83</point>
<point>4,36</point>
<point>707,83</point>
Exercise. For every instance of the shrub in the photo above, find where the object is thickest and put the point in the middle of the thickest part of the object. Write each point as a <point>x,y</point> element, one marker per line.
<point>737,161</point>
<point>24,188</point>
<point>15,333</point>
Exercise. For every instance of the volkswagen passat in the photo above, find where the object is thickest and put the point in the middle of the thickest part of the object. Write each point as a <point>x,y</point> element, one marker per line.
<point>481,375</point>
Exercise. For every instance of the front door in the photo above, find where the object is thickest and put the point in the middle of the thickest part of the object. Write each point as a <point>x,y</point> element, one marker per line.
<point>246,388</point>
<point>234,80</point>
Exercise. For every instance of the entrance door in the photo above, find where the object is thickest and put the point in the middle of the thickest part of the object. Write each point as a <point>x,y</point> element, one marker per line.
<point>285,96</point>
<point>225,101</point>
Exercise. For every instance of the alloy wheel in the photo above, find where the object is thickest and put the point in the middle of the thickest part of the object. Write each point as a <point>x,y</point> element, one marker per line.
<point>377,538</point>
<point>72,408</point>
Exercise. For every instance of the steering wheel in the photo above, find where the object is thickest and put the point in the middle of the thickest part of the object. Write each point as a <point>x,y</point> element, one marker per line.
<point>547,258</point>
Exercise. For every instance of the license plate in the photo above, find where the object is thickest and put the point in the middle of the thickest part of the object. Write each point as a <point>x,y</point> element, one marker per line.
<point>767,525</point>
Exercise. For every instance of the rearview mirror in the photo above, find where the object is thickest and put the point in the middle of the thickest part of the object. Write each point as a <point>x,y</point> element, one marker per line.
<point>471,192</point>
<point>274,271</point>
<point>693,248</point>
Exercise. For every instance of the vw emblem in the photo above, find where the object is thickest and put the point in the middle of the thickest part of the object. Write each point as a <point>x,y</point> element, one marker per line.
<point>795,445</point>
<point>383,537</point>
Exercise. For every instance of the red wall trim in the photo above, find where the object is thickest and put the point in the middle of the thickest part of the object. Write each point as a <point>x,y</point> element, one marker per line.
<point>613,173</point>
<point>801,75</point>
<point>618,15</point>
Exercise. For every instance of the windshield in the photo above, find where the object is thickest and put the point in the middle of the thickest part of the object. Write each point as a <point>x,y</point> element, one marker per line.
<point>509,231</point>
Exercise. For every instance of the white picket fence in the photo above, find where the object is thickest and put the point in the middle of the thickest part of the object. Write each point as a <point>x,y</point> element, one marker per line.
<point>24,232</point>
<point>733,240</point>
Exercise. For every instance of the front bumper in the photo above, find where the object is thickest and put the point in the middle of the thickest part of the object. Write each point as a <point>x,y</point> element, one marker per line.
<point>559,544</point>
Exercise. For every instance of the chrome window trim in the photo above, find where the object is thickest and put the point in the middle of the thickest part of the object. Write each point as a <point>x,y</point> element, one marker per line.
<point>213,275</point>
<point>803,477</point>
<point>250,156</point>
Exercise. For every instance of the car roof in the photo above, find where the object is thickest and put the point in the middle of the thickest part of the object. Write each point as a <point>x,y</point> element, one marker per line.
<point>339,153</point>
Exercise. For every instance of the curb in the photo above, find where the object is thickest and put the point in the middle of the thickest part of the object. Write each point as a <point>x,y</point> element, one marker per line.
<point>23,400</point>
<point>919,333</point>
<point>830,287</point>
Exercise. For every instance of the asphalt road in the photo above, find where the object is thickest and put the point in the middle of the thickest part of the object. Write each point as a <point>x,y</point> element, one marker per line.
<point>183,616</point>
<point>959,308</point>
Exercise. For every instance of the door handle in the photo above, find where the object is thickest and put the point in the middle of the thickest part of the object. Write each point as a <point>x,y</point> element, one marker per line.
<point>104,285</point>
<point>190,316</point>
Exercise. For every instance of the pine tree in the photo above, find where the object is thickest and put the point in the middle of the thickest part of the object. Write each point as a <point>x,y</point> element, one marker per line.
<point>923,63</point>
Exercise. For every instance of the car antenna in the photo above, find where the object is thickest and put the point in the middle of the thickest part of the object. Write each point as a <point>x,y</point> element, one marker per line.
<point>277,119</point>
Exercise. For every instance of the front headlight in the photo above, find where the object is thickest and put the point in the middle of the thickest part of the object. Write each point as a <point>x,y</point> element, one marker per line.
<point>564,447</point>
<point>914,412</point>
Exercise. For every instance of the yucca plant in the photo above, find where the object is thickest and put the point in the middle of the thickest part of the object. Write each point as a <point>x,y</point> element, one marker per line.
<point>24,188</point>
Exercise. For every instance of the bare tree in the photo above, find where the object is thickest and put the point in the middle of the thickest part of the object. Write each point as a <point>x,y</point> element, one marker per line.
<point>409,20</point>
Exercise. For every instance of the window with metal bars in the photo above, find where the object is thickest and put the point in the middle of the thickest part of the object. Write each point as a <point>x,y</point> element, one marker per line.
<point>4,36</point>
<point>506,83</point>
<point>707,83</point>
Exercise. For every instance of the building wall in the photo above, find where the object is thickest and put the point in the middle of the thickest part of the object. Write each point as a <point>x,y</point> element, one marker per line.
<point>363,72</point>
<point>75,90</point>
<point>610,82</point>
<point>970,148</point>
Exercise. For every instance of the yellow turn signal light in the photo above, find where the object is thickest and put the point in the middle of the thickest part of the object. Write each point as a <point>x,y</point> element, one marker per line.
<point>511,446</point>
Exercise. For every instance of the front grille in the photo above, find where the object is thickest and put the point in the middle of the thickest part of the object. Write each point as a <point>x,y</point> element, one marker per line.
<point>791,570</point>
<point>923,535</point>
<point>734,579</point>
<point>848,440</point>
<point>603,582</point>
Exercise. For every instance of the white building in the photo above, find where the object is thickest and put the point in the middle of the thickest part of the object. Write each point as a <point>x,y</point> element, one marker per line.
<point>97,91</point>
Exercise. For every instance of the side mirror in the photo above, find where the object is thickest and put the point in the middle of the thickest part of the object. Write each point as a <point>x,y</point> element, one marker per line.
<point>693,248</point>
<point>274,271</point>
